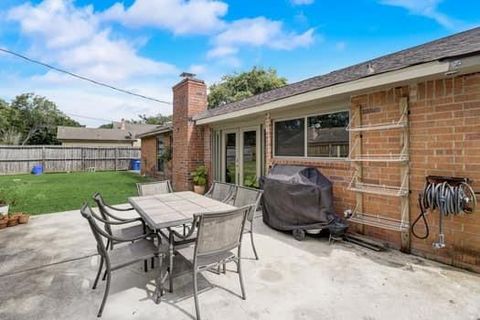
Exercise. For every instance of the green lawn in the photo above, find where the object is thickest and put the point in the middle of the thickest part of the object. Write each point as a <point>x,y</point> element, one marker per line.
<point>66,191</point>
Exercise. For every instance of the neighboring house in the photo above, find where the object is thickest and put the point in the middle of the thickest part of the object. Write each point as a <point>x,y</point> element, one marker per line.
<point>122,134</point>
<point>157,152</point>
<point>390,121</point>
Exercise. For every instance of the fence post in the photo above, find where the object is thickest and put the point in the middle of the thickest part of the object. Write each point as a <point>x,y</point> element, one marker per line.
<point>43,159</point>
<point>82,156</point>
<point>116,157</point>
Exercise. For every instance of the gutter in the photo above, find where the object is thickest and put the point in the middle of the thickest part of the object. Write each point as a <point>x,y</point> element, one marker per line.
<point>424,70</point>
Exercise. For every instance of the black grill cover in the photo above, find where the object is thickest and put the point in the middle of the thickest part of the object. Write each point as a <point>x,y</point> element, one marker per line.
<point>297,197</point>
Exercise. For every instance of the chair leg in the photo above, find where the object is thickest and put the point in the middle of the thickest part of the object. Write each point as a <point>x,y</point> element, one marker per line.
<point>145,265</point>
<point>224,268</point>
<point>253,243</point>
<point>100,267</point>
<point>107,289</point>
<point>170,270</point>
<point>152,263</point>
<point>195,295</point>
<point>240,277</point>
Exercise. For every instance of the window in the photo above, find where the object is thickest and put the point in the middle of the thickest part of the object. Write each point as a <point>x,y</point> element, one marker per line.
<point>290,138</point>
<point>160,155</point>
<point>326,136</point>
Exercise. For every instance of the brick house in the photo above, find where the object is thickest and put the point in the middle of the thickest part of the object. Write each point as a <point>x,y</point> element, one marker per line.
<point>402,117</point>
<point>156,152</point>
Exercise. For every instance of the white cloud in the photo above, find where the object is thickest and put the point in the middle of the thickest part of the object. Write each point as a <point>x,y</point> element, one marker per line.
<point>75,39</point>
<point>72,38</point>
<point>426,8</point>
<point>258,32</point>
<point>178,16</point>
<point>302,2</point>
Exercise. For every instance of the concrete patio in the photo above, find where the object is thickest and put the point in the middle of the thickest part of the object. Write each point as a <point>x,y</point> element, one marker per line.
<point>47,269</point>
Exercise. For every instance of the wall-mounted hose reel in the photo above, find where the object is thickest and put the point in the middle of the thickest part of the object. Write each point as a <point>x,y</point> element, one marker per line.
<point>447,195</point>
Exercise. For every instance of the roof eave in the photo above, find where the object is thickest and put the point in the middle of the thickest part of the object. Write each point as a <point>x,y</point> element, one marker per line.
<point>416,72</point>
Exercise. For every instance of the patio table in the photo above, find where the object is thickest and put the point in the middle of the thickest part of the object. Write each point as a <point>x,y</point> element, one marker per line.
<point>174,209</point>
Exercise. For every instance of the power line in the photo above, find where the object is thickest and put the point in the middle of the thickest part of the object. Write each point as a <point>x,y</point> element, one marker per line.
<point>86,117</point>
<point>18,55</point>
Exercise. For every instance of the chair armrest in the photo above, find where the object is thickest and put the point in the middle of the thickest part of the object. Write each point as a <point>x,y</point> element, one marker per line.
<point>119,209</point>
<point>186,236</point>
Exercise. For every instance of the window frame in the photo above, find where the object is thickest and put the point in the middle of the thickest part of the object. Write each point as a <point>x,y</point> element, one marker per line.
<point>305,147</point>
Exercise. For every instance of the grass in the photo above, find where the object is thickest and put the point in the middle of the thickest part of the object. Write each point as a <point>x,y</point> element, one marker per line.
<point>57,192</point>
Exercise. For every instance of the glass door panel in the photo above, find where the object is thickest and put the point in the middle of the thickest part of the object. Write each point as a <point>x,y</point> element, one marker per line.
<point>231,157</point>
<point>249,159</point>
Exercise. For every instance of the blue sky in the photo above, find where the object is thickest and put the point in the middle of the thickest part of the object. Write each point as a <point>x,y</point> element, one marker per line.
<point>143,45</point>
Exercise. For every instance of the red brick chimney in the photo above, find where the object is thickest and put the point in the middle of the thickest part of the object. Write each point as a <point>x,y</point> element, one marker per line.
<point>189,99</point>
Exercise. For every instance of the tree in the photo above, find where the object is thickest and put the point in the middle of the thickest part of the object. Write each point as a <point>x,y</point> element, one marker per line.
<point>106,126</point>
<point>157,119</point>
<point>237,86</point>
<point>34,119</point>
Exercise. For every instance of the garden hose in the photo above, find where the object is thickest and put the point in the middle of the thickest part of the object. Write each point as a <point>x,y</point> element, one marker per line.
<point>448,199</point>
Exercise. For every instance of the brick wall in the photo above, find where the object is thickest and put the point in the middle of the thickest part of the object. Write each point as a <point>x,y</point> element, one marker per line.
<point>149,157</point>
<point>444,139</point>
<point>189,99</point>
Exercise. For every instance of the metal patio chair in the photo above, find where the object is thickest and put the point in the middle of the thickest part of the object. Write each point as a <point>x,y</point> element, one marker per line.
<point>217,235</point>
<point>153,188</point>
<point>248,196</point>
<point>142,249</point>
<point>131,231</point>
<point>221,191</point>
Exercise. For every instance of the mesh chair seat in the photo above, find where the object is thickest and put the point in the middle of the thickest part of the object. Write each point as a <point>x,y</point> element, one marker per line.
<point>128,232</point>
<point>221,191</point>
<point>205,261</point>
<point>153,188</point>
<point>137,251</point>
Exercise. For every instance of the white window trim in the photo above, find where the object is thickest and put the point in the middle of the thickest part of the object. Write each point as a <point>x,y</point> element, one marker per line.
<point>305,148</point>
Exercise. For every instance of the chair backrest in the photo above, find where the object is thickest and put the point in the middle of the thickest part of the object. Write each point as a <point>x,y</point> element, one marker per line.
<point>247,197</point>
<point>102,208</point>
<point>87,213</point>
<point>220,231</point>
<point>221,191</point>
<point>153,188</point>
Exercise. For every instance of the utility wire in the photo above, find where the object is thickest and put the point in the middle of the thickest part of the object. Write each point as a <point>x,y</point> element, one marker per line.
<point>86,117</point>
<point>18,55</point>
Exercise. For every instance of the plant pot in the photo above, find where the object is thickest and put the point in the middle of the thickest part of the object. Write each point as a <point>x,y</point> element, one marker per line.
<point>3,209</point>
<point>199,189</point>
<point>23,218</point>
<point>3,223</point>
<point>12,221</point>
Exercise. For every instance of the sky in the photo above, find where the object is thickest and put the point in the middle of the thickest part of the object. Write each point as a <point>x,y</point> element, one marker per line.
<point>143,45</point>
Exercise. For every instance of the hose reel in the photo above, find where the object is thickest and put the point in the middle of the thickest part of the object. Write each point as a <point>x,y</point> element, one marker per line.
<point>450,196</point>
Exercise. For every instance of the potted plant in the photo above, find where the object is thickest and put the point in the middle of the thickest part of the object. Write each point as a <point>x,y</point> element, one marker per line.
<point>199,178</point>
<point>3,204</point>
<point>3,222</point>
<point>23,218</point>
<point>12,219</point>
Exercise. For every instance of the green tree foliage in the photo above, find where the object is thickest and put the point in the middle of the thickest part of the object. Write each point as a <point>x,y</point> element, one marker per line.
<point>106,126</point>
<point>156,119</point>
<point>237,86</point>
<point>31,119</point>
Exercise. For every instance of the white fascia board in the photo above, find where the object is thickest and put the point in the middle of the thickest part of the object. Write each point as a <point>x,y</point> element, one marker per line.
<point>414,72</point>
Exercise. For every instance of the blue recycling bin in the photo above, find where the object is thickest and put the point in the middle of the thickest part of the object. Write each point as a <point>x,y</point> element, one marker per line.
<point>37,169</point>
<point>135,164</point>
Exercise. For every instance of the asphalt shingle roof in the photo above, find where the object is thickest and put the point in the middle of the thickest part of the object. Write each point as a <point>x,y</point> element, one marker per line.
<point>92,134</point>
<point>460,44</point>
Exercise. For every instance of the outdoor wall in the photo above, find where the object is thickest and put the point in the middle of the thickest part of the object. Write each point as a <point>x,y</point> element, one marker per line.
<point>149,157</point>
<point>444,140</point>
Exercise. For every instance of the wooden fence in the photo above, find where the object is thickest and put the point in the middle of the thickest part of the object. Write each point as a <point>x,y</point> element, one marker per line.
<point>21,159</point>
